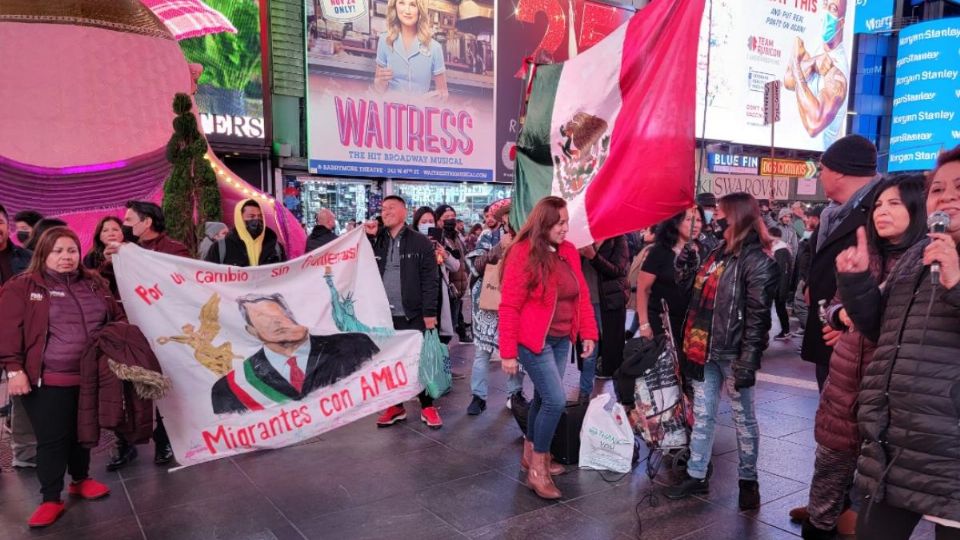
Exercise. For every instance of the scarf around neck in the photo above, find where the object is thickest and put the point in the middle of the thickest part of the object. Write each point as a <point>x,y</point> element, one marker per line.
<point>696,335</point>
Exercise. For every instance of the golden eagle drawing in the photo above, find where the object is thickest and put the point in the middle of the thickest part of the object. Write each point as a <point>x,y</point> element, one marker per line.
<point>218,359</point>
<point>581,134</point>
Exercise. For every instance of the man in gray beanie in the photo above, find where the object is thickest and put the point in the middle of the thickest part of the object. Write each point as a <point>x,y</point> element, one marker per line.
<point>848,172</point>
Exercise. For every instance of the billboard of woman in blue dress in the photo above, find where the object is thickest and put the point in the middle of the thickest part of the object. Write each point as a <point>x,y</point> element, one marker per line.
<point>408,58</point>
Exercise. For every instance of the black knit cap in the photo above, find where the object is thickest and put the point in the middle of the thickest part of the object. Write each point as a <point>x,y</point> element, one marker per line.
<point>852,155</point>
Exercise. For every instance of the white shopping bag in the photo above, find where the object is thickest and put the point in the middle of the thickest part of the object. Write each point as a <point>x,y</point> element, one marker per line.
<point>606,438</point>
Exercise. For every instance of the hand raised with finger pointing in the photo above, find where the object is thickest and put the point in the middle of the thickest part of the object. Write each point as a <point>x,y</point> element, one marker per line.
<point>856,259</point>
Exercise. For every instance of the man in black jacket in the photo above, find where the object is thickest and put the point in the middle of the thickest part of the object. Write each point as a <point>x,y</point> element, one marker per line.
<point>848,171</point>
<point>322,233</point>
<point>605,267</point>
<point>409,269</point>
<point>249,235</point>
<point>13,259</point>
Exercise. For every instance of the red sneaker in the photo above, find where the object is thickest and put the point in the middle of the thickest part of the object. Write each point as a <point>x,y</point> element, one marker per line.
<point>89,489</point>
<point>46,514</point>
<point>431,417</point>
<point>391,416</point>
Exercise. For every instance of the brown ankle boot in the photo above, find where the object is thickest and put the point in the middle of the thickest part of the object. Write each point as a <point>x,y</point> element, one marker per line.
<point>539,479</point>
<point>526,456</point>
<point>556,469</point>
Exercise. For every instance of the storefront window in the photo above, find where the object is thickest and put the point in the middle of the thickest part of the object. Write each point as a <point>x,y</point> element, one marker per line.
<point>467,199</point>
<point>347,199</point>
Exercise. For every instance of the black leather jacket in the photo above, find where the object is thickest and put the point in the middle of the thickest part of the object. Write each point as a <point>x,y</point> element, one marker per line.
<point>741,315</point>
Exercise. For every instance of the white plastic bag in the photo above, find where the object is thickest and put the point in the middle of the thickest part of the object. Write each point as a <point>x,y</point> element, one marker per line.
<point>606,438</point>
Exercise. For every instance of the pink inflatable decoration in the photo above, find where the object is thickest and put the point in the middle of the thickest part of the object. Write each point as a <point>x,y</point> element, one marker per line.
<point>87,109</point>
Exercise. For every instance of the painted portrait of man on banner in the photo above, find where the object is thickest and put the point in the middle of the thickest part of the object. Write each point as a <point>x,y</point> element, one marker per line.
<point>291,364</point>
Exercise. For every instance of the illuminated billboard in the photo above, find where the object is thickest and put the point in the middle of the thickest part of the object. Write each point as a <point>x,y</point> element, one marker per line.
<point>805,44</point>
<point>926,98</point>
<point>230,91</point>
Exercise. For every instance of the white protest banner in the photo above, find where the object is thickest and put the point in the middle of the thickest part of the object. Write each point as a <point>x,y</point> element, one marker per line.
<point>268,356</point>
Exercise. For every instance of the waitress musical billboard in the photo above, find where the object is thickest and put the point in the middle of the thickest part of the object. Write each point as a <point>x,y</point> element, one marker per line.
<point>401,88</point>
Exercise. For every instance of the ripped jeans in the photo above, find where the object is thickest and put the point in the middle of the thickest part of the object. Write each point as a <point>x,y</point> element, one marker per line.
<point>706,399</point>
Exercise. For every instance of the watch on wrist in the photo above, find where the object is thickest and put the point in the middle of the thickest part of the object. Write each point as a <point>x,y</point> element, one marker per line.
<point>644,326</point>
<point>12,374</point>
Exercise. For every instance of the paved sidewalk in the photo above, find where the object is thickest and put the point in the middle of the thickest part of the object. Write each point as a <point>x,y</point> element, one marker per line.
<point>463,481</point>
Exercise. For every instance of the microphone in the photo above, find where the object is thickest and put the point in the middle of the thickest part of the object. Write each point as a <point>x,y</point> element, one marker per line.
<point>938,223</point>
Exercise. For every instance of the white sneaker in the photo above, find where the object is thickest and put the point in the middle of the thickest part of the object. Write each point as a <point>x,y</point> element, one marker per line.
<point>24,464</point>
<point>508,402</point>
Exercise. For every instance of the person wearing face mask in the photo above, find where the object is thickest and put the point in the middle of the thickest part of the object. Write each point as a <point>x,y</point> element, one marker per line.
<point>25,221</point>
<point>13,259</point>
<point>249,243</point>
<point>460,278</point>
<point>144,224</point>
<point>820,80</point>
<point>40,228</point>
<point>213,232</point>
<point>708,238</point>
<point>423,221</point>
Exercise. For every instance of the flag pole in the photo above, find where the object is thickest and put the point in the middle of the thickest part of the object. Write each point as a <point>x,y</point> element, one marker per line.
<point>706,97</point>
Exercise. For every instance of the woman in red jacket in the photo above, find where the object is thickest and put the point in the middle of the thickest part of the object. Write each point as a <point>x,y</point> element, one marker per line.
<point>543,286</point>
<point>50,313</point>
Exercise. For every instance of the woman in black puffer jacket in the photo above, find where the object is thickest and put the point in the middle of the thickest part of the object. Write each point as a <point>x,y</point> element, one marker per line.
<point>897,222</point>
<point>909,404</point>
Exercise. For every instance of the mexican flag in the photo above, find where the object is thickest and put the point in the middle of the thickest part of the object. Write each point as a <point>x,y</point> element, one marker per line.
<point>612,130</point>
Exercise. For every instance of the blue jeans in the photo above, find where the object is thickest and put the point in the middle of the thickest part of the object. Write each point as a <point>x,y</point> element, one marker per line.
<point>706,398</point>
<point>478,379</point>
<point>549,399</point>
<point>589,371</point>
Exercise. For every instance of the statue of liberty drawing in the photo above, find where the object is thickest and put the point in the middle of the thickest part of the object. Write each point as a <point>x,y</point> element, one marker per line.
<point>344,315</point>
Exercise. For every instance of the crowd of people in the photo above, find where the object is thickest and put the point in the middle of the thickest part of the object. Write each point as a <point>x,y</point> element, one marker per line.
<point>873,291</point>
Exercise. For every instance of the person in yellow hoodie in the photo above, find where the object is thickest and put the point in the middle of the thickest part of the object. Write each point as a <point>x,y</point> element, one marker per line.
<point>250,242</point>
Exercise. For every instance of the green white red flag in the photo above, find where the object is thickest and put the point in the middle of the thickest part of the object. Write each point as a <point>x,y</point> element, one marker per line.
<point>612,130</point>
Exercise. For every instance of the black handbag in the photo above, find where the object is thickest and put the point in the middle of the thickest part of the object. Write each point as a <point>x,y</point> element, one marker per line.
<point>565,446</point>
<point>566,441</point>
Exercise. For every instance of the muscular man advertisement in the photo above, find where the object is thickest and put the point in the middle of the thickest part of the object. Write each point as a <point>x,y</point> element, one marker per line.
<point>806,44</point>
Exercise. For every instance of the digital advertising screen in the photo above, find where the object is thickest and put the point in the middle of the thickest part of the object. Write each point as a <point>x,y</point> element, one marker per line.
<point>230,90</point>
<point>926,98</point>
<point>401,88</point>
<point>874,16</point>
<point>805,44</point>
